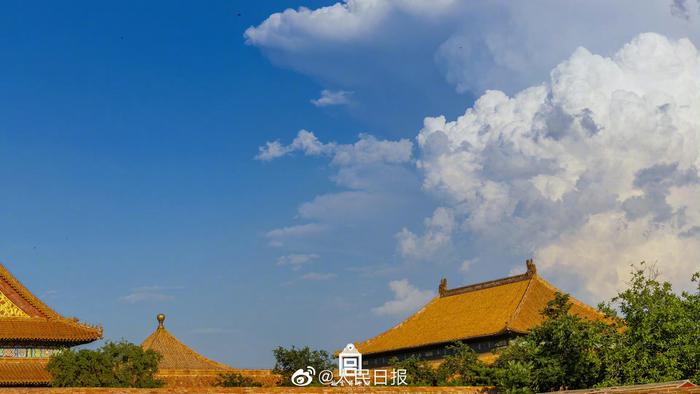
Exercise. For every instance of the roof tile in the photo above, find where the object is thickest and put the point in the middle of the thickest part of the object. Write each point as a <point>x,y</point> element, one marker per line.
<point>511,304</point>
<point>24,372</point>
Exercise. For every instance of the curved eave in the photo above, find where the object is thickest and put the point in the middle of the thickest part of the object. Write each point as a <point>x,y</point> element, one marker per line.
<point>451,341</point>
<point>48,330</point>
<point>15,372</point>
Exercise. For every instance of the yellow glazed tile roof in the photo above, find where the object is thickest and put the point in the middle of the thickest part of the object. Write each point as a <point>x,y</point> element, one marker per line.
<point>24,372</point>
<point>24,317</point>
<point>496,307</point>
<point>183,367</point>
<point>176,355</point>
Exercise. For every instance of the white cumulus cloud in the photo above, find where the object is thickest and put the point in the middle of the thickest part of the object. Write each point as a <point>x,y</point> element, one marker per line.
<point>305,142</point>
<point>367,150</point>
<point>473,45</point>
<point>407,298</point>
<point>437,236</point>
<point>353,19</point>
<point>591,171</point>
<point>332,97</point>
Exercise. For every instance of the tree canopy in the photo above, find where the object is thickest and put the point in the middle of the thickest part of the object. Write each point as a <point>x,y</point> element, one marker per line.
<point>120,364</point>
<point>288,361</point>
<point>652,334</point>
<point>648,333</point>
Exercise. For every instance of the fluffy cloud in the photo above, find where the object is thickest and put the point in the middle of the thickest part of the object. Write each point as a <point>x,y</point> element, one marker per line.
<point>371,173</point>
<point>603,143</point>
<point>354,19</point>
<point>367,150</point>
<point>592,171</point>
<point>680,8</point>
<point>472,45</point>
<point>438,236</point>
<point>332,97</point>
<point>305,142</point>
<point>296,261</point>
<point>407,298</point>
<point>467,264</point>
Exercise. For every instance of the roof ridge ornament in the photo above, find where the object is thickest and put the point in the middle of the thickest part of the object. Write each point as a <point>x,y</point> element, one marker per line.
<point>161,319</point>
<point>442,288</point>
<point>531,268</point>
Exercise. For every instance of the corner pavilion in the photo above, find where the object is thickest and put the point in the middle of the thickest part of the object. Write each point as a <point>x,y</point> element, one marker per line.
<point>30,332</point>
<point>486,316</point>
<point>181,366</point>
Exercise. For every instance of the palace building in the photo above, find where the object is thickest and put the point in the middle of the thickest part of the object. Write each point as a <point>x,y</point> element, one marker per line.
<point>181,366</point>
<point>30,332</point>
<point>484,315</point>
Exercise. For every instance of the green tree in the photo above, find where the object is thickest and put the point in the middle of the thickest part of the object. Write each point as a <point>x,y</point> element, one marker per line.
<point>565,351</point>
<point>463,368</point>
<point>692,302</point>
<point>661,338</point>
<point>652,334</point>
<point>288,361</point>
<point>235,379</point>
<point>515,377</point>
<point>119,364</point>
<point>418,373</point>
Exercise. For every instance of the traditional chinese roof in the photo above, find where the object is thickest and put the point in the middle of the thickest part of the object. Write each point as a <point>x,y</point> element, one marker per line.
<point>502,306</point>
<point>26,372</point>
<point>183,367</point>
<point>177,355</point>
<point>24,317</point>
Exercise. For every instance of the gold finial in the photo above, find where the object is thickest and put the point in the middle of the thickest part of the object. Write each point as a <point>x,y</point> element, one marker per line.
<point>531,268</point>
<point>442,289</point>
<point>161,319</point>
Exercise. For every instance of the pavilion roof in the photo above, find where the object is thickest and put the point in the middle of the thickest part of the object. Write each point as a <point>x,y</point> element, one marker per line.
<point>24,317</point>
<point>508,305</point>
<point>176,355</point>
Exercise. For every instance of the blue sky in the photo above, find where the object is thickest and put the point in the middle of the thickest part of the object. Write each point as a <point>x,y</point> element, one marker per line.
<point>133,181</point>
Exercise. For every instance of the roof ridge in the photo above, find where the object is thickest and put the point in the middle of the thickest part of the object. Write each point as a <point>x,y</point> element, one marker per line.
<point>27,295</point>
<point>572,299</point>
<point>529,274</point>
<point>521,302</point>
<point>174,341</point>
<point>486,285</point>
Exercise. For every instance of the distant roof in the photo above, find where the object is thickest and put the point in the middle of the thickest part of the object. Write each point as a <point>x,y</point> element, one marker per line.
<point>176,355</point>
<point>508,305</point>
<point>24,317</point>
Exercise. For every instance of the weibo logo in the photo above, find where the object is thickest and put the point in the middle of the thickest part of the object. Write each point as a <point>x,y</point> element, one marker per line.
<point>303,377</point>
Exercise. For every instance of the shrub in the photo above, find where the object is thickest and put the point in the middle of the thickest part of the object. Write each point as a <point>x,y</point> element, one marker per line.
<point>119,364</point>
<point>463,368</point>
<point>235,379</point>
<point>288,361</point>
<point>418,373</point>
